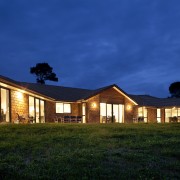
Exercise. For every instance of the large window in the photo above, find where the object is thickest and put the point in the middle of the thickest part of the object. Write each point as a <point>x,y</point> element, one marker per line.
<point>36,109</point>
<point>171,113</point>
<point>4,105</point>
<point>142,113</point>
<point>111,113</point>
<point>63,108</point>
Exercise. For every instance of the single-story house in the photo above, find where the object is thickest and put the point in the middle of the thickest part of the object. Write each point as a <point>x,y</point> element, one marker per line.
<point>110,104</point>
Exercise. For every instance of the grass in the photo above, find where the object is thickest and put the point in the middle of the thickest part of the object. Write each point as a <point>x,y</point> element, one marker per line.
<point>79,151</point>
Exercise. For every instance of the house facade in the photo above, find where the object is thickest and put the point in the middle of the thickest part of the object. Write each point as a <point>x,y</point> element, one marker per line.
<point>110,104</point>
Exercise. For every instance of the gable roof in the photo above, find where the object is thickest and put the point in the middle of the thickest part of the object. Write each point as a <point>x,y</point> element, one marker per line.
<point>146,100</point>
<point>68,94</point>
<point>61,93</point>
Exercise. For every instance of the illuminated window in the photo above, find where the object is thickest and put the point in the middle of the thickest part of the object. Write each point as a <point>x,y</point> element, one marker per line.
<point>142,112</point>
<point>111,113</point>
<point>4,105</point>
<point>170,113</point>
<point>158,115</point>
<point>36,109</point>
<point>63,108</point>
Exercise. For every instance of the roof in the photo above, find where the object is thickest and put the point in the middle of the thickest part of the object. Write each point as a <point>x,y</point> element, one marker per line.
<point>146,100</point>
<point>60,93</point>
<point>69,94</point>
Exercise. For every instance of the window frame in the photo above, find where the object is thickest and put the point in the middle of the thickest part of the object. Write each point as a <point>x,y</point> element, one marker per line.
<point>63,108</point>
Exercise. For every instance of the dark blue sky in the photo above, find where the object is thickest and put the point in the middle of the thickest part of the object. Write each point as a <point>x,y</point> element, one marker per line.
<point>94,43</point>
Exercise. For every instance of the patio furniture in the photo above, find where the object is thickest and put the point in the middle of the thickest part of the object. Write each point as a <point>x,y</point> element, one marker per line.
<point>173,119</point>
<point>135,120</point>
<point>140,119</point>
<point>67,119</point>
<point>79,119</point>
<point>30,119</point>
<point>73,119</point>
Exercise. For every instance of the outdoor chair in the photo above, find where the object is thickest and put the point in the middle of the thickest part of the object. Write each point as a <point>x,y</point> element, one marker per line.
<point>140,119</point>
<point>67,119</point>
<point>79,119</point>
<point>55,119</point>
<point>73,119</point>
<point>135,119</point>
<point>21,119</point>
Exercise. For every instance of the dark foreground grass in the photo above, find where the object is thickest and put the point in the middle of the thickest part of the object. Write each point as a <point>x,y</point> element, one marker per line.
<point>112,151</point>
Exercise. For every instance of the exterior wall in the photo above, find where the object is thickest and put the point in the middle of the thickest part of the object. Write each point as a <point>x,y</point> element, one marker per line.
<point>162,115</point>
<point>129,111</point>
<point>49,111</point>
<point>109,96</point>
<point>19,104</point>
<point>152,115</point>
<point>93,112</point>
<point>135,112</point>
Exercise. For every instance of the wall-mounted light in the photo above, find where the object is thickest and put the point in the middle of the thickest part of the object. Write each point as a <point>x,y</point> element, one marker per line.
<point>93,105</point>
<point>19,95</point>
<point>129,107</point>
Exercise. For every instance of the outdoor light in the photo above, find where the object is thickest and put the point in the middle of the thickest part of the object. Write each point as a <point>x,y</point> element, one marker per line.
<point>19,95</point>
<point>128,107</point>
<point>94,105</point>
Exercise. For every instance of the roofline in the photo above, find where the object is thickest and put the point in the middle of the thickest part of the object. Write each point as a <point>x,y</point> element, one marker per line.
<point>98,92</point>
<point>124,94</point>
<point>14,86</point>
<point>116,88</point>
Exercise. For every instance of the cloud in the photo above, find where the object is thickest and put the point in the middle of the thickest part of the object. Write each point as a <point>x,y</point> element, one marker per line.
<point>93,43</point>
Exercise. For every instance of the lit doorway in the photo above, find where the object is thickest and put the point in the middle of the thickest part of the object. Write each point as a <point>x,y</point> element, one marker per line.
<point>36,110</point>
<point>4,105</point>
<point>111,113</point>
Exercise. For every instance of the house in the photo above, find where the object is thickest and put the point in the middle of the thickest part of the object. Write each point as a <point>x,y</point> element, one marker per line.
<point>110,104</point>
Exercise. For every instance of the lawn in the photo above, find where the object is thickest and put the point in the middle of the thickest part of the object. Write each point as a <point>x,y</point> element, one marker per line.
<point>90,151</point>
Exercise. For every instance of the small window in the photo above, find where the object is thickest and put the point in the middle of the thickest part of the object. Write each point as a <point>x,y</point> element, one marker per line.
<point>67,108</point>
<point>63,108</point>
<point>158,115</point>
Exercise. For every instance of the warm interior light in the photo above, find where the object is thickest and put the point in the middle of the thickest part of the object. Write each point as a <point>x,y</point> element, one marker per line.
<point>94,105</point>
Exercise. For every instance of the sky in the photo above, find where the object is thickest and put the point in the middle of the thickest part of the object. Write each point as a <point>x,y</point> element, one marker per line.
<point>93,43</point>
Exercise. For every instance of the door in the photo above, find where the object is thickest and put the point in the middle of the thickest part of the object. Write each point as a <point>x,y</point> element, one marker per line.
<point>111,113</point>
<point>37,111</point>
<point>4,105</point>
<point>115,113</point>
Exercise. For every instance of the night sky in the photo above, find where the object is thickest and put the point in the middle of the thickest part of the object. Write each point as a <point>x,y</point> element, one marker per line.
<point>93,43</point>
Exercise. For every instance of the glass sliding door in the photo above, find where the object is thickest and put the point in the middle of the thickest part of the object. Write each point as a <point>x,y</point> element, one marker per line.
<point>102,112</point>
<point>36,110</point>
<point>31,107</point>
<point>4,97</point>
<point>115,113</point>
<point>111,113</point>
<point>121,113</point>
<point>42,116</point>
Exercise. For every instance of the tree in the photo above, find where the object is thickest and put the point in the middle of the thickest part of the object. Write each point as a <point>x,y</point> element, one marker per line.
<point>174,89</point>
<point>43,72</point>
